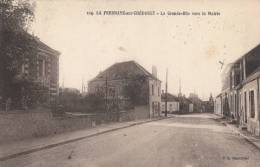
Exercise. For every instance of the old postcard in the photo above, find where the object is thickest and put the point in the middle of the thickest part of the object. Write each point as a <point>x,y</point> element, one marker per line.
<point>110,83</point>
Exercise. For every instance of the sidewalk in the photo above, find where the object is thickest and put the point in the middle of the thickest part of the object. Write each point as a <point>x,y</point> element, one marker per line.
<point>254,140</point>
<point>14,149</point>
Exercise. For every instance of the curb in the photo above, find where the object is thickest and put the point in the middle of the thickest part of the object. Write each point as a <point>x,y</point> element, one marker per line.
<point>11,156</point>
<point>244,136</point>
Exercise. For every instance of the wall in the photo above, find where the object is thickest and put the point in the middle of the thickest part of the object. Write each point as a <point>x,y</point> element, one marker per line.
<point>141,112</point>
<point>252,123</point>
<point>154,97</point>
<point>218,106</point>
<point>172,106</point>
<point>20,125</point>
<point>191,106</point>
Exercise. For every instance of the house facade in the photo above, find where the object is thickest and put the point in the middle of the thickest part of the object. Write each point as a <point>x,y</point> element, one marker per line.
<point>48,69</point>
<point>129,84</point>
<point>173,104</point>
<point>240,96</point>
<point>42,69</point>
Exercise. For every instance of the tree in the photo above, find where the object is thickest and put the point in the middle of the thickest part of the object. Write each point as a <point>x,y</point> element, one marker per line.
<point>17,46</point>
<point>16,15</point>
<point>95,102</point>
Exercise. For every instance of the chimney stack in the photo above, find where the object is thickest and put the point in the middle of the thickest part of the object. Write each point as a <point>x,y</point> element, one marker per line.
<point>154,71</point>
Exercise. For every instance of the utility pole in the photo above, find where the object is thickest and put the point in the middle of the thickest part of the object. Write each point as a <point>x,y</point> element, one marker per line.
<point>106,95</point>
<point>82,85</point>
<point>166,93</point>
<point>180,87</point>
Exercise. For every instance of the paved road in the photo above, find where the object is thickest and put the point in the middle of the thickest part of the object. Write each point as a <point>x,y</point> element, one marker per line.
<point>183,141</point>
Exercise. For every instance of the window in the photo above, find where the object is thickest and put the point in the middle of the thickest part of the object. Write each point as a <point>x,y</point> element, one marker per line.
<point>159,91</point>
<point>46,68</point>
<point>152,90</point>
<point>41,68</point>
<point>25,68</point>
<point>112,92</point>
<point>252,104</point>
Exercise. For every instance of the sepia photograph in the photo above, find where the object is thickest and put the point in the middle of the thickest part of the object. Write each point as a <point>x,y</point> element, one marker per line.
<point>134,83</point>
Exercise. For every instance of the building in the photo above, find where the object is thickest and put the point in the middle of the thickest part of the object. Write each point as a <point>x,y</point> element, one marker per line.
<point>208,105</point>
<point>48,69</point>
<point>129,84</point>
<point>69,90</point>
<point>240,97</point>
<point>173,104</point>
<point>218,105</point>
<point>46,72</point>
<point>185,104</point>
<point>196,101</point>
<point>43,69</point>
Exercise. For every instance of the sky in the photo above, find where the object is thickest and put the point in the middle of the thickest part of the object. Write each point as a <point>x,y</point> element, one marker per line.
<point>189,46</point>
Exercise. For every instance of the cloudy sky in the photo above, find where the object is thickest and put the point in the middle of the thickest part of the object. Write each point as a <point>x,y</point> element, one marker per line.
<point>189,46</point>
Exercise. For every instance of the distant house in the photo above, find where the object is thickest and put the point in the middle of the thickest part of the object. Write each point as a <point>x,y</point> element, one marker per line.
<point>173,104</point>
<point>218,105</point>
<point>208,105</point>
<point>185,105</point>
<point>129,84</point>
<point>196,101</point>
<point>69,90</point>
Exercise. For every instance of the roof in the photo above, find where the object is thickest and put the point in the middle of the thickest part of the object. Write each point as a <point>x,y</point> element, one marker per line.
<point>186,100</point>
<point>170,97</point>
<point>123,70</point>
<point>219,95</point>
<point>41,45</point>
<point>244,55</point>
<point>253,76</point>
<point>229,66</point>
<point>46,47</point>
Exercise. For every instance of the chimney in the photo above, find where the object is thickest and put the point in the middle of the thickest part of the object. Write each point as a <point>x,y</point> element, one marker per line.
<point>154,71</point>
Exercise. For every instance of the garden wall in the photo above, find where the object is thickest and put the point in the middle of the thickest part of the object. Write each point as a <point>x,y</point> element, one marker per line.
<point>18,125</point>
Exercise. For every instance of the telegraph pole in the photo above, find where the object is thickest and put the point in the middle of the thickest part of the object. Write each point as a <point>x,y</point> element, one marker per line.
<point>106,94</point>
<point>166,93</point>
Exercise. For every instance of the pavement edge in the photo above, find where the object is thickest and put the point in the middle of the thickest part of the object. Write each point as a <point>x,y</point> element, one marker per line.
<point>29,151</point>
<point>244,136</point>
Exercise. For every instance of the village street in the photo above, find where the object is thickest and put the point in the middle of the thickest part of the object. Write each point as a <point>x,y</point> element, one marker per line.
<point>195,140</point>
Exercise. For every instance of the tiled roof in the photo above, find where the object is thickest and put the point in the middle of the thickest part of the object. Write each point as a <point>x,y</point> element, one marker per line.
<point>41,45</point>
<point>170,97</point>
<point>123,70</point>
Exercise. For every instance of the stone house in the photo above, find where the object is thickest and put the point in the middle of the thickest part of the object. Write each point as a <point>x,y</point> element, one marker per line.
<point>129,84</point>
<point>48,69</point>
<point>42,69</point>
